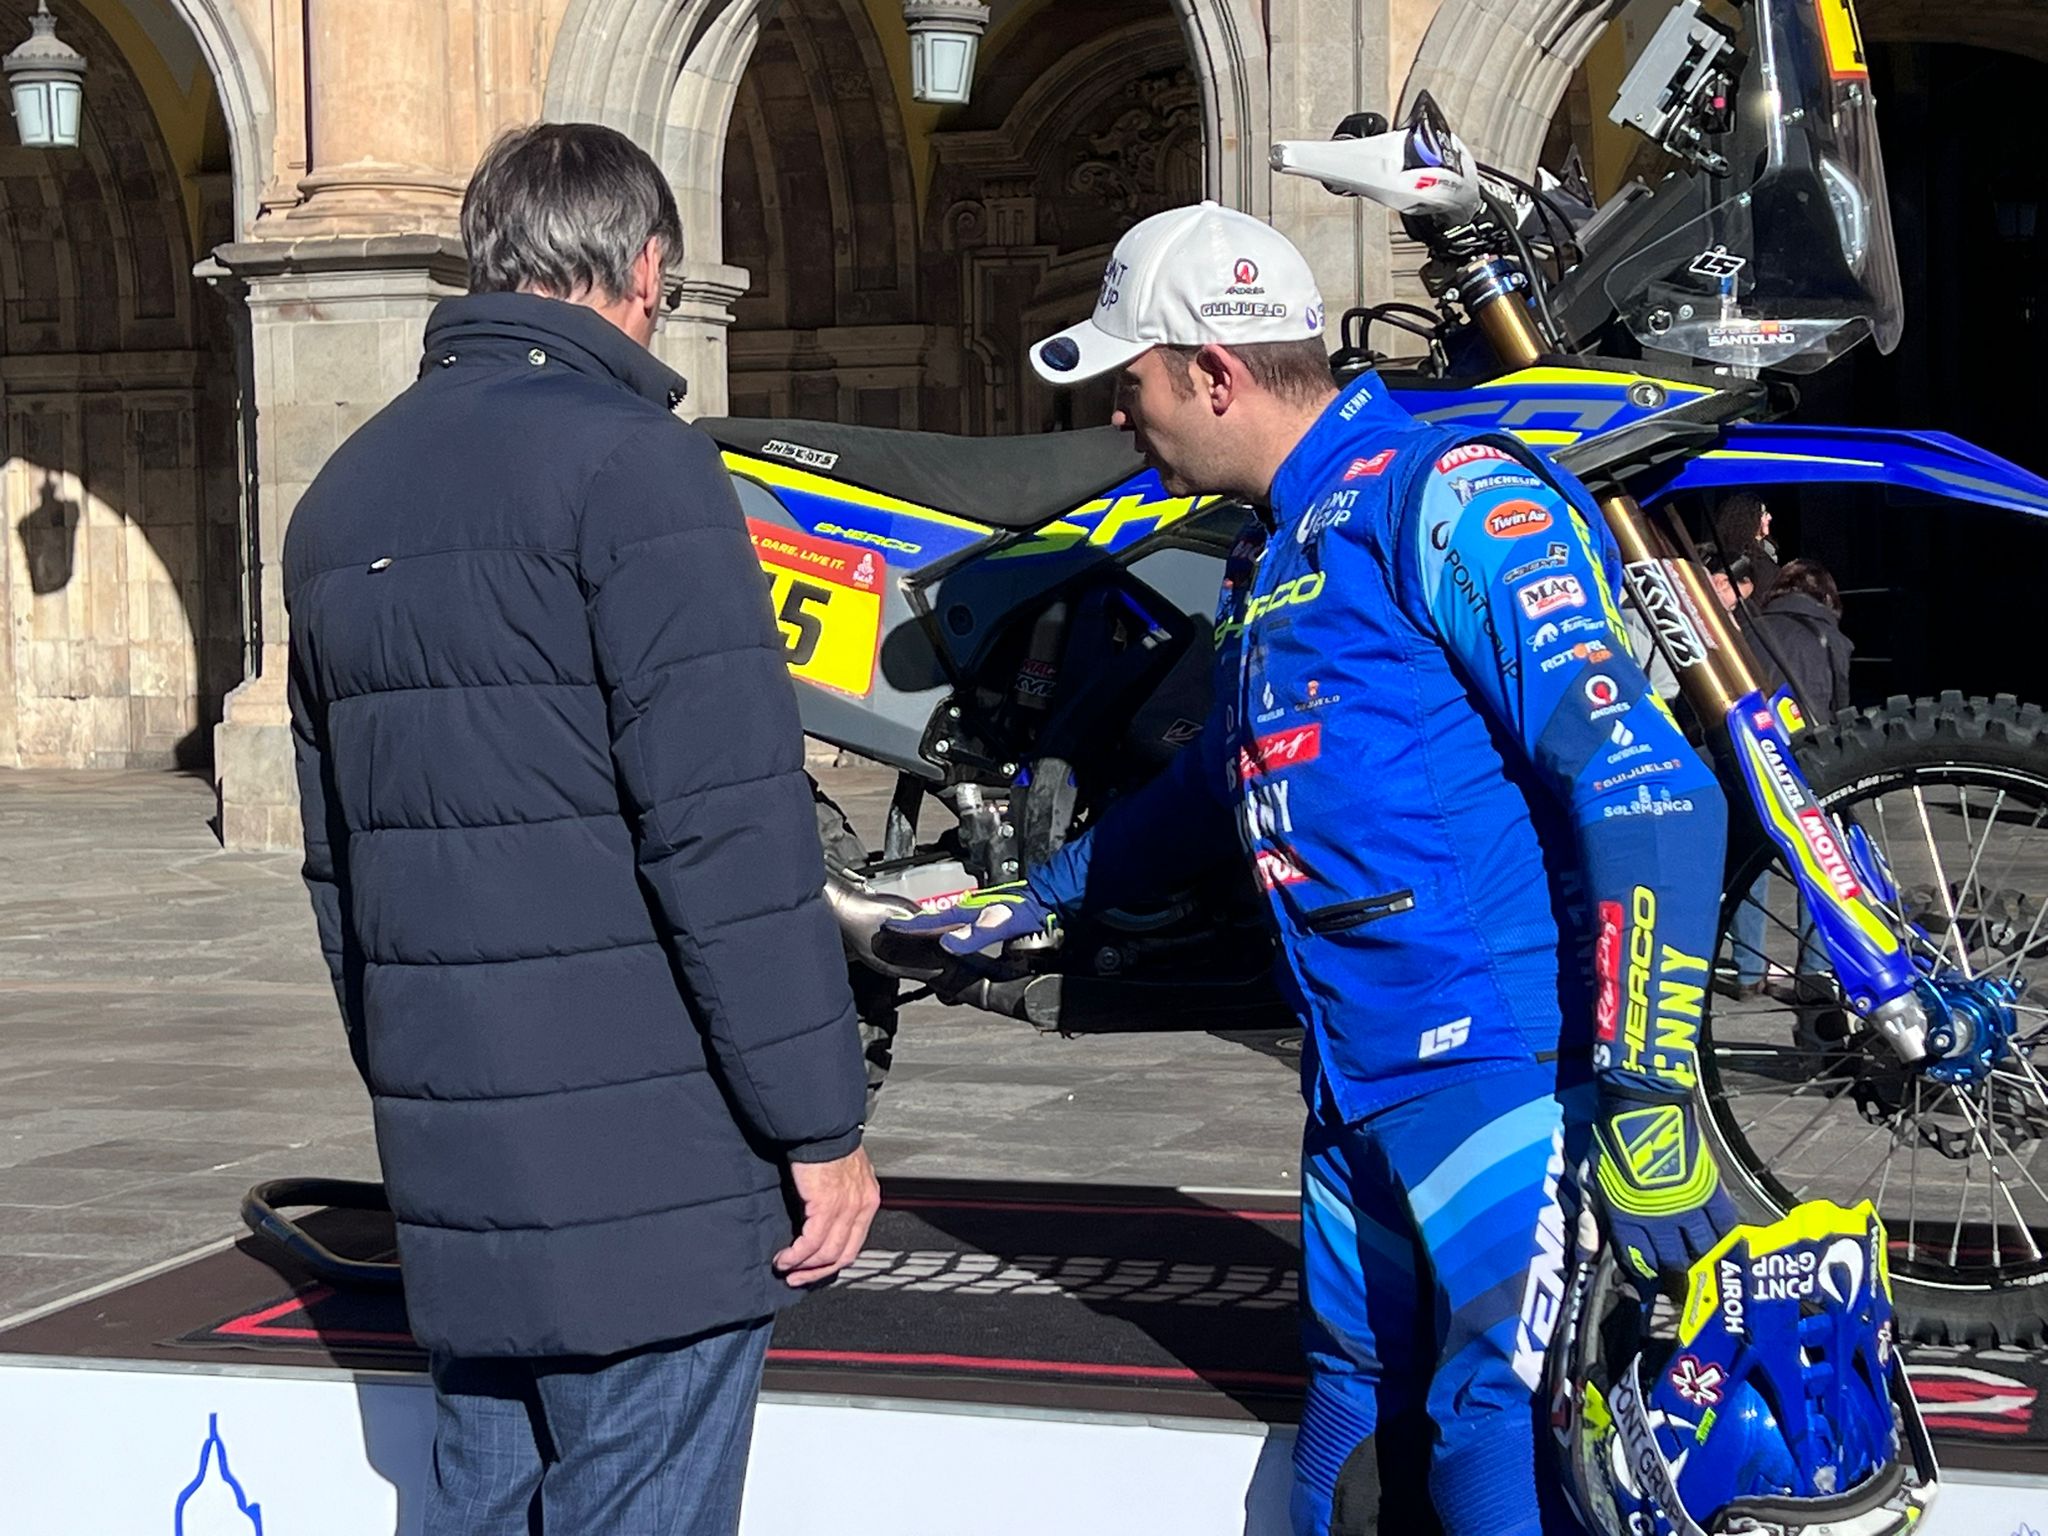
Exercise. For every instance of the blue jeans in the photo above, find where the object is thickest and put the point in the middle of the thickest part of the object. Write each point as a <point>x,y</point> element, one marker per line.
<point>651,1443</point>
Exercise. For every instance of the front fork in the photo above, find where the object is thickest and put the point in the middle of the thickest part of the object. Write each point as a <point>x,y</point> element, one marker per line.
<point>1837,878</point>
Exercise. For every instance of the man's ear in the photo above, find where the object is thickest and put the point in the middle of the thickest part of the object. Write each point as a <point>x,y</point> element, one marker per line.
<point>648,272</point>
<point>1219,376</point>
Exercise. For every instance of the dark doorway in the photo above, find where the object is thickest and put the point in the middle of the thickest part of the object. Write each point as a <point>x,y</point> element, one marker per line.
<point>1939,590</point>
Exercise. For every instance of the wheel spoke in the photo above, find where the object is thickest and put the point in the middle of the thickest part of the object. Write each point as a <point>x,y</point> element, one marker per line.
<point>1996,1180</point>
<point>1854,1148</point>
<point>2012,963</point>
<point>1976,871</point>
<point>1948,900</point>
<point>1913,1179</point>
<point>2012,858</point>
<point>1977,850</point>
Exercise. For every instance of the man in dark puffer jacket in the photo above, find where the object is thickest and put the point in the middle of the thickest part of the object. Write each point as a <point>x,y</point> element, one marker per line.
<point>565,865</point>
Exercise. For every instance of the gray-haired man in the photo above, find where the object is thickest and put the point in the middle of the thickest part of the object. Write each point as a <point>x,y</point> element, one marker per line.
<point>566,871</point>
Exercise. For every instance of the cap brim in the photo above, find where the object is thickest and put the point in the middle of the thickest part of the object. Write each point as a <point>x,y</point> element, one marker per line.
<point>1082,352</point>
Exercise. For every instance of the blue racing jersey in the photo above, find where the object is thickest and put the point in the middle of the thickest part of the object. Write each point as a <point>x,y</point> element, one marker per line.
<point>1481,835</point>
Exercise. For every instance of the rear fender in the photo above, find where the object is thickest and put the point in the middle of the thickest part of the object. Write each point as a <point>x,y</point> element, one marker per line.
<point>1927,463</point>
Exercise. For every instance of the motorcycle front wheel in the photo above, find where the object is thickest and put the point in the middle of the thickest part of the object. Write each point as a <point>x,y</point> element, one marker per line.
<point>1805,1102</point>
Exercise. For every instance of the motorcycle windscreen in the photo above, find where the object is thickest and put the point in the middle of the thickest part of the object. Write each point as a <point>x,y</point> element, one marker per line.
<point>1793,263</point>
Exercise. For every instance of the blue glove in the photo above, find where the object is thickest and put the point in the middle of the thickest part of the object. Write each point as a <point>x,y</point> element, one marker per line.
<point>1660,1190</point>
<point>983,920</point>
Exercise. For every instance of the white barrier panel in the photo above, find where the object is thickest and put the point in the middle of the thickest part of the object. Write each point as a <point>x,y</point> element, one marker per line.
<point>213,1452</point>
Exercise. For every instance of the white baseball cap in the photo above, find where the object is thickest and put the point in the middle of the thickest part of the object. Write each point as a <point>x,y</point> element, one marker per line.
<point>1184,278</point>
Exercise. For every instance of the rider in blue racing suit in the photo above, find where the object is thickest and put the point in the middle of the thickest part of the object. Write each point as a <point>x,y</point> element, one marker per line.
<point>1492,862</point>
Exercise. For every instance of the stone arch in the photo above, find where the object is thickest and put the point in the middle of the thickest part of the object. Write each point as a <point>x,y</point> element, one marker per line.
<point>1500,67</point>
<point>820,208</point>
<point>1024,209</point>
<point>619,62</point>
<point>119,575</point>
<point>241,80</point>
<point>668,73</point>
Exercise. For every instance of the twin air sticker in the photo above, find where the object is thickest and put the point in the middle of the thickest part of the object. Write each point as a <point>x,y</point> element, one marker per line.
<point>828,605</point>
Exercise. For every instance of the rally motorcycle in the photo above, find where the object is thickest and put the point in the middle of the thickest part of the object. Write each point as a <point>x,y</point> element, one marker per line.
<point>1020,628</point>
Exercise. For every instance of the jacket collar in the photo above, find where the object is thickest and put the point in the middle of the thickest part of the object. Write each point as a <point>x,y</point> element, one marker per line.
<point>573,333</point>
<point>1363,415</point>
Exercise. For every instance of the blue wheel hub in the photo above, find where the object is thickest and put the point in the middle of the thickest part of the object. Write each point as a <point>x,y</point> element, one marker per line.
<point>1970,1024</point>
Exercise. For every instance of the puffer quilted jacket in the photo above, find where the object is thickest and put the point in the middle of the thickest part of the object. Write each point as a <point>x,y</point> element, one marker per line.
<point>560,844</point>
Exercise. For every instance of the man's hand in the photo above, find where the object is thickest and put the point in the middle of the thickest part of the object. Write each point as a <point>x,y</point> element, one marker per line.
<point>840,1199</point>
<point>985,919</point>
<point>1660,1190</point>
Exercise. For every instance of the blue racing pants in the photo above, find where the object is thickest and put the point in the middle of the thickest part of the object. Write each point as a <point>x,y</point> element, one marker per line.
<point>1435,1246</point>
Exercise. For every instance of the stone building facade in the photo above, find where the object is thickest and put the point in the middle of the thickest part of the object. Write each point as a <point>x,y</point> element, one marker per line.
<point>232,271</point>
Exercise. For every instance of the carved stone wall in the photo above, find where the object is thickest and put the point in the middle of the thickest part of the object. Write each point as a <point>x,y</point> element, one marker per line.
<point>819,209</point>
<point>865,307</point>
<point>1024,213</point>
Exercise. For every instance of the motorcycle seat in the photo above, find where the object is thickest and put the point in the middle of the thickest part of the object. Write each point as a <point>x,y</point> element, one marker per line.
<point>998,482</point>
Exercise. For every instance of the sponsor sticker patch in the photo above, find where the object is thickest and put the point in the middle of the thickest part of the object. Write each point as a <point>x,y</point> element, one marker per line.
<point>1518,519</point>
<point>1550,595</point>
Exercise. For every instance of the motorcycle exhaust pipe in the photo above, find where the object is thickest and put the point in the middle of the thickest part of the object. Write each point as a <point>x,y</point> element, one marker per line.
<point>861,914</point>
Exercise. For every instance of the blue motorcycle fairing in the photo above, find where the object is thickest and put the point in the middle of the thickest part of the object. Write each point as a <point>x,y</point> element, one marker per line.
<point>912,537</point>
<point>1931,463</point>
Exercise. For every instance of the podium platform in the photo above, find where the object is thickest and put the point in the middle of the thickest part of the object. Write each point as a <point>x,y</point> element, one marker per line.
<point>1002,1359</point>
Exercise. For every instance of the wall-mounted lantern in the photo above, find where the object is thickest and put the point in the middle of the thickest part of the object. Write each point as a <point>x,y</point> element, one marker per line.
<point>46,78</point>
<point>944,35</point>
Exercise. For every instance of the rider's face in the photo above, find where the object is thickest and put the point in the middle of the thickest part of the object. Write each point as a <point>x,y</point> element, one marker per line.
<point>1167,422</point>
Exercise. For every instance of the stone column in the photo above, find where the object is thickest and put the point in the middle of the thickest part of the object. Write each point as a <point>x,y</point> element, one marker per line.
<point>1330,58</point>
<point>335,328</point>
<point>381,99</point>
<point>693,334</point>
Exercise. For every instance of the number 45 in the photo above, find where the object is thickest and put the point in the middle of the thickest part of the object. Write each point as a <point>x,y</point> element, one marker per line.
<point>803,628</point>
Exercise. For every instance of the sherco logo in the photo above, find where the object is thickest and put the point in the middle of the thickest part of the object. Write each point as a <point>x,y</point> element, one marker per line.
<point>797,453</point>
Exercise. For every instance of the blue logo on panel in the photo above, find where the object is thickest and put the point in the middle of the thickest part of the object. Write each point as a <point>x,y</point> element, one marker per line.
<point>213,1503</point>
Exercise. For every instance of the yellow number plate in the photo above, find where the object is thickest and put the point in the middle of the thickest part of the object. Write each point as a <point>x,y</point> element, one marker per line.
<point>1844,40</point>
<point>828,605</point>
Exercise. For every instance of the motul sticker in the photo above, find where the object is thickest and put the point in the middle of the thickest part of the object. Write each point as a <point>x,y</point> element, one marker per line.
<point>1472,453</point>
<point>1820,837</point>
<point>1276,869</point>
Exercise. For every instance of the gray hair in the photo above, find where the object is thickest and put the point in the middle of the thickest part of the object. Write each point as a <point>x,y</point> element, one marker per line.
<point>564,209</point>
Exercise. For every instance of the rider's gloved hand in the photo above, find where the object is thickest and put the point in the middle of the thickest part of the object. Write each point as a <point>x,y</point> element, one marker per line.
<point>982,920</point>
<point>1660,1190</point>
